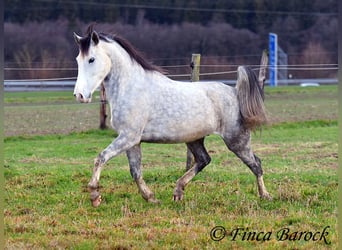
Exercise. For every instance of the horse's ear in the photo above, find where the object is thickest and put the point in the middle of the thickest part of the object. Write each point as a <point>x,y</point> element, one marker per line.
<point>77,38</point>
<point>95,37</point>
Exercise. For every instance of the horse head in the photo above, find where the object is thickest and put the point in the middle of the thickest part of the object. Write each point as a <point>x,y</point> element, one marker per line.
<point>93,65</point>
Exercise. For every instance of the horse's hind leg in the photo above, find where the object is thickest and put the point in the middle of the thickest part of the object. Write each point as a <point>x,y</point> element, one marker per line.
<point>134,159</point>
<point>202,159</point>
<point>240,145</point>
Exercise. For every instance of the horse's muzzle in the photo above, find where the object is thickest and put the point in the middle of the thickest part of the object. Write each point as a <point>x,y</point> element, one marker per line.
<point>80,98</point>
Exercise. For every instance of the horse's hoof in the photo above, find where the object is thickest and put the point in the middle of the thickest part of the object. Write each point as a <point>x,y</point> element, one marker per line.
<point>95,198</point>
<point>178,194</point>
<point>153,200</point>
<point>97,201</point>
<point>177,197</point>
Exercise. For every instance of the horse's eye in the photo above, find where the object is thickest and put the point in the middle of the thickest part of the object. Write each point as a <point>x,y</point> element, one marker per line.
<point>91,60</point>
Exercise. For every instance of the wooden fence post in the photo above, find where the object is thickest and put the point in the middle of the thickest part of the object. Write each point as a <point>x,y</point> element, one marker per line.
<point>263,67</point>
<point>103,104</point>
<point>195,73</point>
<point>195,67</point>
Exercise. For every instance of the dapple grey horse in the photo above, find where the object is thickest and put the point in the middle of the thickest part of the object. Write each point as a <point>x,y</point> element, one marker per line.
<point>147,106</point>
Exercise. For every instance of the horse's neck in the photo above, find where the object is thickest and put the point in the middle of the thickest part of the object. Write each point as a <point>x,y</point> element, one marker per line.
<point>124,79</point>
<point>123,66</point>
<point>127,75</point>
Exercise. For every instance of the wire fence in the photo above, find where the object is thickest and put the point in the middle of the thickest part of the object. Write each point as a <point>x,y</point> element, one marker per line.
<point>294,67</point>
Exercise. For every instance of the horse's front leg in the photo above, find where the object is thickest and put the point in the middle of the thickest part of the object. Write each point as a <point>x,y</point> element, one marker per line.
<point>122,143</point>
<point>134,159</point>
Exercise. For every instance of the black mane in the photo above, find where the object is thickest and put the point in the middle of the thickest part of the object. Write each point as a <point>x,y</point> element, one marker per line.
<point>133,52</point>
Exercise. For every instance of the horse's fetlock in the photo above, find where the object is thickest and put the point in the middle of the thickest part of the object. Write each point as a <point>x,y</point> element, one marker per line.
<point>93,186</point>
<point>149,197</point>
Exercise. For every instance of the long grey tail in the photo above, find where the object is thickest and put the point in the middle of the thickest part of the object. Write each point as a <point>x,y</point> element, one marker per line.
<point>251,99</point>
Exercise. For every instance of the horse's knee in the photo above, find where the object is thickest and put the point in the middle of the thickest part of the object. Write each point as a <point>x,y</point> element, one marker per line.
<point>135,172</point>
<point>134,159</point>
<point>200,154</point>
<point>204,161</point>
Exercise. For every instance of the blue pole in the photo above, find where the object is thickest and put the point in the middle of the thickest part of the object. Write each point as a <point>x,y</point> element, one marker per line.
<point>273,59</point>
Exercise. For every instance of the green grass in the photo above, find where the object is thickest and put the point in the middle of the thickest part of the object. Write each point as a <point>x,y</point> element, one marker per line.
<point>290,104</point>
<point>47,202</point>
<point>51,142</point>
<point>38,97</point>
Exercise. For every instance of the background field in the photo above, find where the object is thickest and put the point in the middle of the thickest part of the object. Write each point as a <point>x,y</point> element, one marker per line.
<point>37,113</point>
<point>51,142</point>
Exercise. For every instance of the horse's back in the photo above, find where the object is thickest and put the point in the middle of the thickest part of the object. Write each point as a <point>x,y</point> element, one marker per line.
<point>188,111</point>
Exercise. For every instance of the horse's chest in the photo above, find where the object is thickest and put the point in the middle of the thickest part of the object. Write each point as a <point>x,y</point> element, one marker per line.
<point>125,115</point>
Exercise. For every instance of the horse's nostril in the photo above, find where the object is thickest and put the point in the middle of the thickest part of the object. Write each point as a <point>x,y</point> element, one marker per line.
<point>74,95</point>
<point>81,96</point>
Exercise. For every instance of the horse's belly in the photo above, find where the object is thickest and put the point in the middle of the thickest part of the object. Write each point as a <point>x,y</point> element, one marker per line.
<point>174,138</point>
<point>178,130</point>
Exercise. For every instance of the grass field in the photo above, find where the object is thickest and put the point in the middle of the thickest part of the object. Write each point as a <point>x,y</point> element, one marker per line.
<point>47,169</point>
